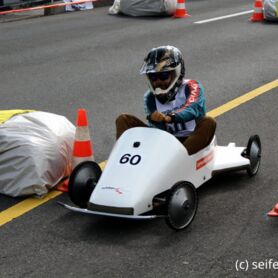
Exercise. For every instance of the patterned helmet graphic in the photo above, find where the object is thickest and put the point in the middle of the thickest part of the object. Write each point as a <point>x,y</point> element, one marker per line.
<point>163,59</point>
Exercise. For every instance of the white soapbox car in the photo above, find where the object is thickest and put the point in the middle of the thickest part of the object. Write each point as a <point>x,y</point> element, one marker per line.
<point>149,174</point>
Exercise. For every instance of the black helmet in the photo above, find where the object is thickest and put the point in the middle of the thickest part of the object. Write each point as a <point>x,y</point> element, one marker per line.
<point>164,59</point>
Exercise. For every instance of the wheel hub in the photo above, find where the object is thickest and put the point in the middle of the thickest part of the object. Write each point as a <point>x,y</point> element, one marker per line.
<point>182,206</point>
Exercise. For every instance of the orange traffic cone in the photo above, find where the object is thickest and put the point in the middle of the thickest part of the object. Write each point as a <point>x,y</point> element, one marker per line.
<point>63,186</point>
<point>258,11</point>
<point>82,147</point>
<point>274,211</point>
<point>180,9</point>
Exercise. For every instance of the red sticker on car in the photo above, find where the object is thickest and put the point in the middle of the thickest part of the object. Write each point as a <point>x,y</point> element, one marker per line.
<point>204,160</point>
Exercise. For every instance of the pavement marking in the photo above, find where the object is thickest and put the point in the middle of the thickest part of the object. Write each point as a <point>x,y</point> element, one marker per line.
<point>223,17</point>
<point>25,206</point>
<point>31,203</point>
<point>242,99</point>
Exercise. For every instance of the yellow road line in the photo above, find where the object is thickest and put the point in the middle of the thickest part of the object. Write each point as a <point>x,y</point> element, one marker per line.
<point>25,206</point>
<point>31,203</point>
<point>242,99</point>
<point>102,165</point>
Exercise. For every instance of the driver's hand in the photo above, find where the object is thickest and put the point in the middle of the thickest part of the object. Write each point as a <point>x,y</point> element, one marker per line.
<point>157,116</point>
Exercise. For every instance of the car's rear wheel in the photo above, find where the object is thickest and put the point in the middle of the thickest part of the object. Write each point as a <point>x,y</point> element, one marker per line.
<point>182,206</point>
<point>253,153</point>
<point>82,182</point>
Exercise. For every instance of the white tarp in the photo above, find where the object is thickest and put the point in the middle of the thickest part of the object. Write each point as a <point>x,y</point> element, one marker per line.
<point>270,10</point>
<point>144,7</point>
<point>35,153</point>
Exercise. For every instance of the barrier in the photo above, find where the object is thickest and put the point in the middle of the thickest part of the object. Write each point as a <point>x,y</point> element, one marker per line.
<point>52,6</point>
<point>45,7</point>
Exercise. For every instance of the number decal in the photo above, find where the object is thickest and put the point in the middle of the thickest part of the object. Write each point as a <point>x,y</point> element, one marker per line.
<point>133,160</point>
<point>125,158</point>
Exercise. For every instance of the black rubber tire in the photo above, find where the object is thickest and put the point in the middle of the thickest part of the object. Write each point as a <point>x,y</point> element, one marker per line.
<point>182,204</point>
<point>82,182</point>
<point>253,153</point>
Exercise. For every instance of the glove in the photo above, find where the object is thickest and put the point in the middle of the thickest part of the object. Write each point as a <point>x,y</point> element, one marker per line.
<point>159,117</point>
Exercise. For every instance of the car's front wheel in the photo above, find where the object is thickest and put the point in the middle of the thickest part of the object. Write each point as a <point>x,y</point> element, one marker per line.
<point>182,205</point>
<point>82,182</point>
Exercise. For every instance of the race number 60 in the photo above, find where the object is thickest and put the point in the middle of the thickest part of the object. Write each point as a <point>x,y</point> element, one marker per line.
<point>131,159</point>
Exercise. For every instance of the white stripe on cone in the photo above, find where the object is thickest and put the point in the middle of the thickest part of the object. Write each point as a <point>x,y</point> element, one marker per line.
<point>82,134</point>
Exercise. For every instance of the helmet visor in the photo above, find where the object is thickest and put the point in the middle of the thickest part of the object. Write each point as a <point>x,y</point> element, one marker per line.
<point>154,76</point>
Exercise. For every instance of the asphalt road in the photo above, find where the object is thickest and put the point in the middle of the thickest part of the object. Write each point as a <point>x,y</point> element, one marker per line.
<point>92,60</point>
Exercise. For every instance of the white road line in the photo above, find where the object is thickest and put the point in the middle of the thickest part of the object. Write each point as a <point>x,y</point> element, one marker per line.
<point>223,17</point>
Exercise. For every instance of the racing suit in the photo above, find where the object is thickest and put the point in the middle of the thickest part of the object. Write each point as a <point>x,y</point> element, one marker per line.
<point>187,110</point>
